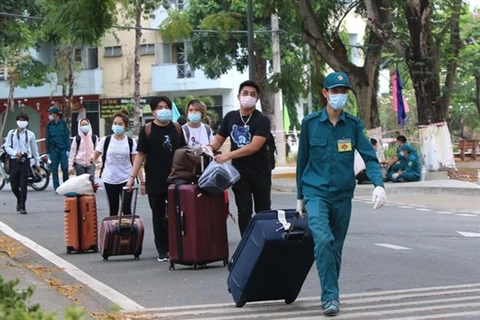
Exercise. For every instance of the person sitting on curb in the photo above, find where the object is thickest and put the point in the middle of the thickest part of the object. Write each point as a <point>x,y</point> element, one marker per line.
<point>409,168</point>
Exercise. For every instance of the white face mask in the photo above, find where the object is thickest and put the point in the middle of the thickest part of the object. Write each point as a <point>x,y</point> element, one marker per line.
<point>22,124</point>
<point>50,117</point>
<point>247,102</point>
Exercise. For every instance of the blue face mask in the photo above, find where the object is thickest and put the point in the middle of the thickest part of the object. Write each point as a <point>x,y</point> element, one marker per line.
<point>164,115</point>
<point>85,129</point>
<point>338,101</point>
<point>194,117</point>
<point>118,129</point>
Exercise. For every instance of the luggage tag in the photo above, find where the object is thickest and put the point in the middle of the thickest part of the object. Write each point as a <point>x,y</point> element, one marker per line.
<point>282,219</point>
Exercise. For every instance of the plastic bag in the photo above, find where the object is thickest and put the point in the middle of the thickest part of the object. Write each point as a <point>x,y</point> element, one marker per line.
<point>76,186</point>
<point>218,177</point>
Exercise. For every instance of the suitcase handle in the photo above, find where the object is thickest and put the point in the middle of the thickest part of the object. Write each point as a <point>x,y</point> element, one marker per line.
<point>120,208</point>
<point>295,234</point>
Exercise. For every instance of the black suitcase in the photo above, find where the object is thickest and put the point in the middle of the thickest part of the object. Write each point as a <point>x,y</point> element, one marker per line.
<point>271,263</point>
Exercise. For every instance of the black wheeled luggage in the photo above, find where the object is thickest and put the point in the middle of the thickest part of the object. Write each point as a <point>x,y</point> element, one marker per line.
<point>272,260</point>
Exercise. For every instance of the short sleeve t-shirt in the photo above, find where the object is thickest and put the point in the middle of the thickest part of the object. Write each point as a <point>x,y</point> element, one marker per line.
<point>159,148</point>
<point>241,131</point>
<point>118,162</point>
<point>197,136</point>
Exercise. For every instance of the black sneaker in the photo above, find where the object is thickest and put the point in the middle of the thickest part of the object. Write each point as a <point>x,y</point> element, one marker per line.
<point>18,207</point>
<point>162,257</point>
<point>23,211</point>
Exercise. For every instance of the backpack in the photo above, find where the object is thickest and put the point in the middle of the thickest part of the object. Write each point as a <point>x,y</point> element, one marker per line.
<point>186,132</point>
<point>78,140</point>
<point>148,128</point>
<point>271,149</point>
<point>105,148</point>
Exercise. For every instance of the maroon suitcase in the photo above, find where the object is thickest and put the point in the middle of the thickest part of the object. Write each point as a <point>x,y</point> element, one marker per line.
<point>122,234</point>
<point>197,226</point>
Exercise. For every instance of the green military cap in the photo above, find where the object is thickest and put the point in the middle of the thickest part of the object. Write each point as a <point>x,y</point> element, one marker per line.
<point>336,79</point>
<point>53,110</point>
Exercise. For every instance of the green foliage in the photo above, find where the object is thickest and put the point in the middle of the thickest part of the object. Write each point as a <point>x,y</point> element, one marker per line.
<point>80,21</point>
<point>212,116</point>
<point>13,304</point>
<point>32,73</point>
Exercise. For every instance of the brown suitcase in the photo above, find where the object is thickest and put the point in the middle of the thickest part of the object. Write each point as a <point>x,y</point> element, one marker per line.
<point>122,235</point>
<point>81,233</point>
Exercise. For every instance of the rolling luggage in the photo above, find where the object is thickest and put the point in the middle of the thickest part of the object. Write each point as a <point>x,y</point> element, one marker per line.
<point>122,234</point>
<point>272,260</point>
<point>197,226</point>
<point>80,221</point>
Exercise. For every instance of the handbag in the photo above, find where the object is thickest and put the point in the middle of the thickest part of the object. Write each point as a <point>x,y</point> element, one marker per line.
<point>188,164</point>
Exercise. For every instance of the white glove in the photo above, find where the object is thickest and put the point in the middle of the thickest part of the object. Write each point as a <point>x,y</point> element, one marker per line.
<point>395,175</point>
<point>301,209</point>
<point>379,198</point>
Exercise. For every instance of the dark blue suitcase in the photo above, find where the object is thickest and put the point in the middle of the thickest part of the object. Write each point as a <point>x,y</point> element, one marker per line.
<point>271,263</point>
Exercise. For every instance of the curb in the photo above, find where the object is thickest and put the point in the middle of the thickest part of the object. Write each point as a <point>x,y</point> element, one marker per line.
<point>366,190</point>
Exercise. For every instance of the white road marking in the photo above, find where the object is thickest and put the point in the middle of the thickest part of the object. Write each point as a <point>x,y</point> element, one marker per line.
<point>405,207</point>
<point>424,209</point>
<point>466,215</point>
<point>391,246</point>
<point>116,297</point>
<point>421,303</point>
<point>444,212</point>
<point>469,234</point>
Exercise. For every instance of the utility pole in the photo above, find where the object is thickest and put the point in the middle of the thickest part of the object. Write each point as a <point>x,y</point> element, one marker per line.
<point>251,58</point>
<point>278,102</point>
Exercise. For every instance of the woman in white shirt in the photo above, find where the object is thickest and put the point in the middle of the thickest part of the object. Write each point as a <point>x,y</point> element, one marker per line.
<point>118,153</point>
<point>195,132</point>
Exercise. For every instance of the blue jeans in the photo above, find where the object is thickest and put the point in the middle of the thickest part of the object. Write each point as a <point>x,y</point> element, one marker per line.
<point>58,157</point>
<point>79,170</point>
<point>328,221</point>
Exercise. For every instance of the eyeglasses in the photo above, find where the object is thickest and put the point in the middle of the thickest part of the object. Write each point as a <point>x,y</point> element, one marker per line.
<point>167,145</point>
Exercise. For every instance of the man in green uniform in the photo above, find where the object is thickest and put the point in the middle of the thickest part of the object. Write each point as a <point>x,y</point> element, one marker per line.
<point>326,180</point>
<point>410,166</point>
<point>57,143</point>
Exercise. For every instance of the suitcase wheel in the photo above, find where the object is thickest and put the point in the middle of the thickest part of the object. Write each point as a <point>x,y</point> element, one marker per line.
<point>105,258</point>
<point>195,266</point>
<point>225,262</point>
<point>241,302</point>
<point>136,257</point>
<point>172,266</point>
<point>289,301</point>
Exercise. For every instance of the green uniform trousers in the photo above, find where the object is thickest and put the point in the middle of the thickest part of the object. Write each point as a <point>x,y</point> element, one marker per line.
<point>328,221</point>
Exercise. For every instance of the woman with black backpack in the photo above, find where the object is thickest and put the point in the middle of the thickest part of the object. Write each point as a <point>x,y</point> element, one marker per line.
<point>81,148</point>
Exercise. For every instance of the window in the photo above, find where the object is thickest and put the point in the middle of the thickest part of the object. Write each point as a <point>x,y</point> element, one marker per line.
<point>166,53</point>
<point>78,55</point>
<point>3,72</point>
<point>147,49</point>
<point>180,4</point>
<point>92,58</point>
<point>115,51</point>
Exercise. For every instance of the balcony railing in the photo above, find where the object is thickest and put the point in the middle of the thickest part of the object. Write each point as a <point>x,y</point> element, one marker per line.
<point>184,71</point>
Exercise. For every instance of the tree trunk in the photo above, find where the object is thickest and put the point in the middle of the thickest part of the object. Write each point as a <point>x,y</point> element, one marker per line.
<point>136,69</point>
<point>266,96</point>
<point>455,45</point>
<point>423,64</point>
<point>477,92</point>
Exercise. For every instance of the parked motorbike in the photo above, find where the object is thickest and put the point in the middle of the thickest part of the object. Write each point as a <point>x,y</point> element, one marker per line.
<point>38,179</point>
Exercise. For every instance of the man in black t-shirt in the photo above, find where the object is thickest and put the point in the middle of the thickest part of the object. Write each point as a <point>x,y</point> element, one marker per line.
<point>157,143</point>
<point>248,130</point>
